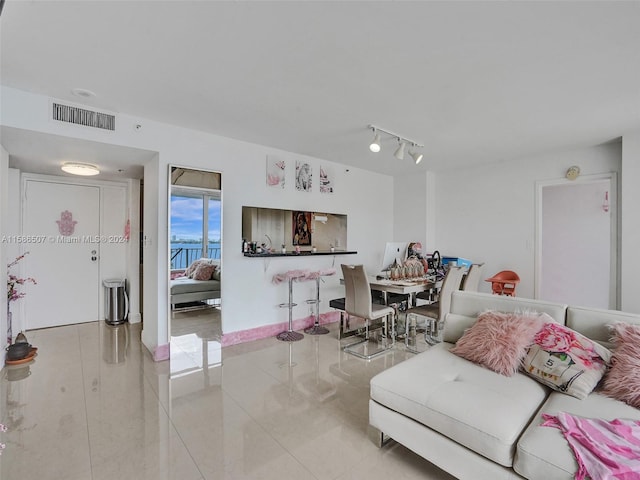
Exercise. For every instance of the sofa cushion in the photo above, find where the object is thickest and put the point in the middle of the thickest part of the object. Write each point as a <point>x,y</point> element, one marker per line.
<point>566,361</point>
<point>204,271</point>
<point>188,285</point>
<point>543,452</point>
<point>498,341</point>
<point>593,323</point>
<point>622,382</point>
<point>478,408</point>
<point>466,306</point>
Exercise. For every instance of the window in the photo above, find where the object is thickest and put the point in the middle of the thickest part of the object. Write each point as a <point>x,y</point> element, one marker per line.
<point>195,225</point>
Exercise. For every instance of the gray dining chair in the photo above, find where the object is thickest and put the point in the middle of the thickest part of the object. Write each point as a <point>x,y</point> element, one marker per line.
<point>471,280</point>
<point>432,315</point>
<point>358,303</point>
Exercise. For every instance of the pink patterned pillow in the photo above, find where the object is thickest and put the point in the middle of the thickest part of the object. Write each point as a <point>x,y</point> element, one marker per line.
<point>566,360</point>
<point>204,271</point>
<point>192,268</point>
<point>498,341</point>
<point>622,382</point>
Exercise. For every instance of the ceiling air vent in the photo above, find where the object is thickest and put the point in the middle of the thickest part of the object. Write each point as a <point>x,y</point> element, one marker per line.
<point>81,116</point>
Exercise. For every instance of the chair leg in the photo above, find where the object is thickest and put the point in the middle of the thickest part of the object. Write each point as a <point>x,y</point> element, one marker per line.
<point>290,335</point>
<point>367,356</point>
<point>316,329</point>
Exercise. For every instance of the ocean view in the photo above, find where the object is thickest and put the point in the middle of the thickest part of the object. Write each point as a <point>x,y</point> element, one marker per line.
<point>182,254</point>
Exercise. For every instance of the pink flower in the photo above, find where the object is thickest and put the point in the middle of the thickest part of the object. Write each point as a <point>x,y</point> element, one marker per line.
<point>555,338</point>
<point>13,282</point>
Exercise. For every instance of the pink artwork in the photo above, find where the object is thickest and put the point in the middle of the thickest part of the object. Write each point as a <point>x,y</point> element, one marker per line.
<point>66,224</point>
<point>127,230</point>
<point>275,172</point>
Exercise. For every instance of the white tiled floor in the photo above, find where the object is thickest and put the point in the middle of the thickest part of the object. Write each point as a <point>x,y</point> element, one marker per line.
<point>94,405</point>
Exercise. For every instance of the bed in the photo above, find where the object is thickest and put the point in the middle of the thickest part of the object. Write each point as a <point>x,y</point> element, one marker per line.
<point>190,286</point>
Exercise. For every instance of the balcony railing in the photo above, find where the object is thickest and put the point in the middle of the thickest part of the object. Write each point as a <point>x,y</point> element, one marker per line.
<point>182,257</point>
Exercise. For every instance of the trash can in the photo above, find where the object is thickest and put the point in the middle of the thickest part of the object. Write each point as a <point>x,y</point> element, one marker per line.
<point>116,302</point>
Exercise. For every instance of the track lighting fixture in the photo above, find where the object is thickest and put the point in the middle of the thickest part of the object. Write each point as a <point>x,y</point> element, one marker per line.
<point>399,153</point>
<point>375,147</point>
<point>417,156</point>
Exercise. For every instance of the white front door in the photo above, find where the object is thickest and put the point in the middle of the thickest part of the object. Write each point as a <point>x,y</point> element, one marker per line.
<point>63,222</point>
<point>577,248</point>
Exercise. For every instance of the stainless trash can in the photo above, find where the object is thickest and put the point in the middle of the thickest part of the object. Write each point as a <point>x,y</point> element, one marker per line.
<point>116,302</point>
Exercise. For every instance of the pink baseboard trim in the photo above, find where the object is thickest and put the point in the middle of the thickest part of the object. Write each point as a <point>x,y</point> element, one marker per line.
<point>161,352</point>
<point>266,331</point>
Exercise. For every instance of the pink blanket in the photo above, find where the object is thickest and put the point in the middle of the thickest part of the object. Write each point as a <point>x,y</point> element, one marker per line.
<point>604,450</point>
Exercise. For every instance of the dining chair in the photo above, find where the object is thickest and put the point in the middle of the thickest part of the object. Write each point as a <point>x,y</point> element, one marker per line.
<point>433,314</point>
<point>471,280</point>
<point>359,304</point>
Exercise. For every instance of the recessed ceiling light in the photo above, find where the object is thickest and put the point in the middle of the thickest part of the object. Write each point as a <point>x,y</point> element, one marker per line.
<point>83,169</point>
<point>83,92</point>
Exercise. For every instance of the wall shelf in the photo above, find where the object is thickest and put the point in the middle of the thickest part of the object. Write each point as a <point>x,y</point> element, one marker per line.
<point>303,253</point>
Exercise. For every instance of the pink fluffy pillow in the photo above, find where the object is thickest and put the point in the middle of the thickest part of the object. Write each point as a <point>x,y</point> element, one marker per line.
<point>622,381</point>
<point>498,341</point>
<point>204,271</point>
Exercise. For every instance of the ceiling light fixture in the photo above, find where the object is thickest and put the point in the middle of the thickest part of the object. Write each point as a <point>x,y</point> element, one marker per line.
<point>417,156</point>
<point>83,169</point>
<point>403,141</point>
<point>83,92</point>
<point>399,153</point>
<point>375,145</point>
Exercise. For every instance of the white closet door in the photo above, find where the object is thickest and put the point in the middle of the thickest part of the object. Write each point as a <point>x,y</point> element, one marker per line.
<point>64,262</point>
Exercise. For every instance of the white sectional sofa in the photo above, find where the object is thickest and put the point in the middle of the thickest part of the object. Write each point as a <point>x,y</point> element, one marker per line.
<point>477,424</point>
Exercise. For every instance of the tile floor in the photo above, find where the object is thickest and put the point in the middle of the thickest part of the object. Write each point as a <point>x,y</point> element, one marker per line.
<point>93,405</point>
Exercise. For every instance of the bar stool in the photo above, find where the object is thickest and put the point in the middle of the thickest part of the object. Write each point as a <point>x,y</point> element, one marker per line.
<point>316,329</point>
<point>289,335</point>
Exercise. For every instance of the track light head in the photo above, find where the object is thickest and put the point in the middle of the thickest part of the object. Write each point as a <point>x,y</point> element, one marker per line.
<point>399,153</point>
<point>375,145</point>
<point>417,156</point>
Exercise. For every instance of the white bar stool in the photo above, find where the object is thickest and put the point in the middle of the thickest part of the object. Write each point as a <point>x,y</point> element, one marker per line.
<point>289,335</point>
<point>316,329</point>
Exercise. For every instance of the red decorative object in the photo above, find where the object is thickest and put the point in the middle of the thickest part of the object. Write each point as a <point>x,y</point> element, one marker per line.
<point>66,224</point>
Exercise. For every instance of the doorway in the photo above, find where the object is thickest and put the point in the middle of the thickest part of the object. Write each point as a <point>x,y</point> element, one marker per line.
<point>65,217</point>
<point>77,232</point>
<point>195,246</point>
<point>576,248</point>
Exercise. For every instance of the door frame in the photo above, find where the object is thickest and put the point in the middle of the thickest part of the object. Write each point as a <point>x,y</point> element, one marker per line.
<point>170,186</point>
<point>133,282</point>
<point>614,273</point>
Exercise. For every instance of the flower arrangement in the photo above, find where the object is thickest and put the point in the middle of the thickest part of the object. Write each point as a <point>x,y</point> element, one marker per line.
<point>13,282</point>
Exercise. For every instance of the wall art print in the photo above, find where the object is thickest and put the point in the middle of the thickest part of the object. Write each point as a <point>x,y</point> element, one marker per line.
<point>304,176</point>
<point>275,172</point>
<point>327,179</point>
<point>301,223</point>
<point>66,224</point>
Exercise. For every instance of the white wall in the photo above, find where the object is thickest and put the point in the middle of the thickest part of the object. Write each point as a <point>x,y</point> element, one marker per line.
<point>249,297</point>
<point>410,214</point>
<point>487,213</point>
<point>4,208</point>
<point>630,223</point>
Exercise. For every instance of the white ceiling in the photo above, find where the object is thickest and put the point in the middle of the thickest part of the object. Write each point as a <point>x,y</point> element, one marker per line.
<point>473,81</point>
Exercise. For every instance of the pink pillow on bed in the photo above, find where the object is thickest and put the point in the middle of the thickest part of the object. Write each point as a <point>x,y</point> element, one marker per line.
<point>204,271</point>
<point>498,341</point>
<point>622,381</point>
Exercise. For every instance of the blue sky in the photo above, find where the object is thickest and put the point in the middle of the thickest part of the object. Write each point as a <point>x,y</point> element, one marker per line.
<point>186,218</point>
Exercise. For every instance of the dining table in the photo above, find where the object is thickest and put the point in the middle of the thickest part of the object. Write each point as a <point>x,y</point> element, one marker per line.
<point>408,286</point>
